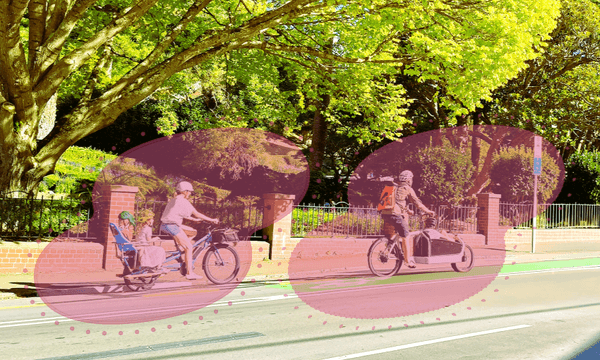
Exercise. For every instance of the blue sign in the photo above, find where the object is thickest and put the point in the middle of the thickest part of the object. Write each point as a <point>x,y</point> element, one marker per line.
<point>537,166</point>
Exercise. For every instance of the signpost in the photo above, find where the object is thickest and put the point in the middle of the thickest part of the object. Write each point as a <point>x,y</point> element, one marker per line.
<point>537,170</point>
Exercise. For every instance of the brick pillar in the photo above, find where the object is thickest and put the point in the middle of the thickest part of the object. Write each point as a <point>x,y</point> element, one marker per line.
<point>113,200</point>
<point>488,217</point>
<point>278,207</point>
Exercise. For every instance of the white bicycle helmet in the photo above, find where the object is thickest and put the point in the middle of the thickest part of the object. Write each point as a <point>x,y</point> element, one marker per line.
<point>406,176</point>
<point>184,186</point>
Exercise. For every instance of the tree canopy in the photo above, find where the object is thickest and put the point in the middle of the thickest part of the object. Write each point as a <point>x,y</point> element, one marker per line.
<point>110,55</point>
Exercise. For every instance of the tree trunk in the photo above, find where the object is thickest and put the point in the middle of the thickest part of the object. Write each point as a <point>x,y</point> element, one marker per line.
<point>319,138</point>
<point>483,176</point>
<point>475,145</point>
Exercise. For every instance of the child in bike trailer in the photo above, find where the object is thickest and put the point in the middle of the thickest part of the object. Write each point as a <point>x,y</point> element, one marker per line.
<point>177,209</point>
<point>149,256</point>
<point>395,212</point>
<point>126,224</point>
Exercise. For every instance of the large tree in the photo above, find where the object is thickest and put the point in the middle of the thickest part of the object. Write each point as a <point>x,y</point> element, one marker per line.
<point>112,54</point>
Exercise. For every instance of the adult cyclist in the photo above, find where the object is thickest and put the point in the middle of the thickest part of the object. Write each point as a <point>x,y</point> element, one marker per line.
<point>398,215</point>
<point>177,209</point>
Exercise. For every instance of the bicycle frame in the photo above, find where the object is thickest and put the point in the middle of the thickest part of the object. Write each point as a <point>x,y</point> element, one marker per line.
<point>204,242</point>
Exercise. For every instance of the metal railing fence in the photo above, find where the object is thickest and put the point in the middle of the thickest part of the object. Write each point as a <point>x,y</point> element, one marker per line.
<point>318,220</point>
<point>246,218</point>
<point>28,218</point>
<point>551,216</point>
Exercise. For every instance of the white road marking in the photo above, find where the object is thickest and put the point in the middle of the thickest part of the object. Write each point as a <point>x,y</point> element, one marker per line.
<point>428,342</point>
<point>259,299</point>
<point>121,313</point>
<point>17,321</point>
<point>36,323</point>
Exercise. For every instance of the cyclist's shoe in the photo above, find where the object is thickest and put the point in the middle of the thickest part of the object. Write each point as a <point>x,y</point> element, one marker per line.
<point>411,264</point>
<point>193,276</point>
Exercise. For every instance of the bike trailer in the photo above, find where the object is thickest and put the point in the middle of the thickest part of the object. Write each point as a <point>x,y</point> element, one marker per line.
<point>225,235</point>
<point>430,247</point>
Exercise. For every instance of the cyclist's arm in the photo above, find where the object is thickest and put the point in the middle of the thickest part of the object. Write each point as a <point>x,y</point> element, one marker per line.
<point>201,216</point>
<point>415,200</point>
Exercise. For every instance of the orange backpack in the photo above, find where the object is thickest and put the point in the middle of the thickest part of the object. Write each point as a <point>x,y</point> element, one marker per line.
<point>387,200</point>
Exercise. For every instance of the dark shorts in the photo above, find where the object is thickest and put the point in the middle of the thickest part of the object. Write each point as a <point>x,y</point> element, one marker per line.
<point>398,222</point>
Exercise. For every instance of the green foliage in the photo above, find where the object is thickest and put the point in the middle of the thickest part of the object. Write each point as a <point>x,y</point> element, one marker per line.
<point>76,171</point>
<point>332,221</point>
<point>558,95</point>
<point>511,175</point>
<point>237,156</point>
<point>445,174</point>
<point>305,220</point>
<point>582,183</point>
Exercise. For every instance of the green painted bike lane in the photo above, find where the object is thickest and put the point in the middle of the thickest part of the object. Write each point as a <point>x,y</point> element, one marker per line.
<point>318,284</point>
<point>553,264</point>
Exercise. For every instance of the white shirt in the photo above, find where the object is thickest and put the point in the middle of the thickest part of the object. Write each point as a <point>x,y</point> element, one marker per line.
<point>145,234</point>
<point>176,210</point>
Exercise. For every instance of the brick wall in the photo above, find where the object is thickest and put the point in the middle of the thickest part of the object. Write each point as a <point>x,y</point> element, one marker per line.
<point>57,257</point>
<point>18,259</point>
<point>553,240</point>
<point>85,256</point>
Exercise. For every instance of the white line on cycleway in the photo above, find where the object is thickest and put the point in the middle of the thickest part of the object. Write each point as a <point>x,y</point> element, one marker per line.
<point>14,323</point>
<point>428,342</point>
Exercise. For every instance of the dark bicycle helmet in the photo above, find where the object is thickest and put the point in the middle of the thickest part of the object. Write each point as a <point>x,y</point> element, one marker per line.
<point>126,215</point>
<point>430,223</point>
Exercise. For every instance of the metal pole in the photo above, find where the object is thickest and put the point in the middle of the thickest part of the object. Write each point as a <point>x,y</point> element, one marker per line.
<point>535,204</point>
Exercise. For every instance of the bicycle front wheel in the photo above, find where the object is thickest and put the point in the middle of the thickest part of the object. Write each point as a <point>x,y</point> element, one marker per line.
<point>385,259</point>
<point>221,264</point>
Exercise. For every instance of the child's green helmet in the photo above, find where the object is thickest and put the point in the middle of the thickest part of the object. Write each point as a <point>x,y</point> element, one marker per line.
<point>126,215</point>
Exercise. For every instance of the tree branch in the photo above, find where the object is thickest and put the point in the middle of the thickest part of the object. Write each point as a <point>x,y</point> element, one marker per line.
<point>50,49</point>
<point>55,14</point>
<point>37,23</point>
<point>158,51</point>
<point>319,54</point>
<point>70,63</point>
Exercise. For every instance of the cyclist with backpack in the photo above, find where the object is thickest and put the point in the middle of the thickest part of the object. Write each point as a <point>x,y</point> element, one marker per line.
<point>394,210</point>
<point>177,209</point>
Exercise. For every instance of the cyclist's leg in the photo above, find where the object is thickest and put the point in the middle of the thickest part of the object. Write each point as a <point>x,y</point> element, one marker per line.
<point>189,231</point>
<point>186,247</point>
<point>182,241</point>
<point>402,229</point>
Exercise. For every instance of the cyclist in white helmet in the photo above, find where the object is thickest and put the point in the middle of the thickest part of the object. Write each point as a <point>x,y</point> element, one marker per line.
<point>399,214</point>
<point>177,209</point>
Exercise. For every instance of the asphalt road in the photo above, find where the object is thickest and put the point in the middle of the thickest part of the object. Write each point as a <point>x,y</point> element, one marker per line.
<point>546,314</point>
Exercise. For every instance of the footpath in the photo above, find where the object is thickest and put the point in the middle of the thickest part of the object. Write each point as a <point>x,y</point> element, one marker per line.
<point>22,286</point>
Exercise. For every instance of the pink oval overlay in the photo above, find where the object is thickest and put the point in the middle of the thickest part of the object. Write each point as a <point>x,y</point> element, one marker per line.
<point>234,173</point>
<point>460,173</point>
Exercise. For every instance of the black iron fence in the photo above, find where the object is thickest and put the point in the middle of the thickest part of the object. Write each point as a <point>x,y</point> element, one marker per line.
<point>245,217</point>
<point>550,216</point>
<point>28,218</point>
<point>319,220</point>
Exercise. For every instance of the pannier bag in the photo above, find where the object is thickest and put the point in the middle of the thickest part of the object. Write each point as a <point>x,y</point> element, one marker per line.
<point>225,235</point>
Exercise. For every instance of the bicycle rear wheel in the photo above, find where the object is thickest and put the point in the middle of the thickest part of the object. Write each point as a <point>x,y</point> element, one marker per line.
<point>385,259</point>
<point>221,264</point>
<point>142,282</point>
